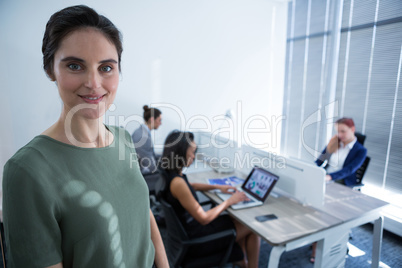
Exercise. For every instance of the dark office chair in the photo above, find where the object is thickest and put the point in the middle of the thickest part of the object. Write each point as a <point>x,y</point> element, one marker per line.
<point>151,179</point>
<point>360,137</point>
<point>179,244</point>
<point>3,247</point>
<point>360,174</point>
<point>156,208</point>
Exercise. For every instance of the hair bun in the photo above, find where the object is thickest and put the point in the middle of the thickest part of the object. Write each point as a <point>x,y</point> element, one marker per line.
<point>146,108</point>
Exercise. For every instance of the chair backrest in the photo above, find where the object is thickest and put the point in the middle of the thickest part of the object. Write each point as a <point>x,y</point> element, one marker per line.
<point>160,185</point>
<point>173,223</point>
<point>362,170</point>
<point>360,137</point>
<point>3,246</point>
<point>151,180</point>
<point>177,235</point>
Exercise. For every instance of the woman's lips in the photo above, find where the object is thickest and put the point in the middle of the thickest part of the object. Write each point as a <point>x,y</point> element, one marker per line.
<point>92,99</point>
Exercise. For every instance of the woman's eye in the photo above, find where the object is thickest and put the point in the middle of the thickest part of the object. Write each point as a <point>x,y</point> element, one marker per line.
<point>74,67</point>
<point>106,69</point>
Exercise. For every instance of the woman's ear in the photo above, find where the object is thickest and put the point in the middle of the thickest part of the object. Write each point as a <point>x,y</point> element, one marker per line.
<point>50,75</point>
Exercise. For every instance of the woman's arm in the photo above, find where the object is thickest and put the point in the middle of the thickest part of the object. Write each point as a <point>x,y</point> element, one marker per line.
<point>161,260</point>
<point>207,187</point>
<point>182,192</point>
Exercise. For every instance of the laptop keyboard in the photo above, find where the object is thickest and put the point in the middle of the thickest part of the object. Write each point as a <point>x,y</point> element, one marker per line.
<point>251,199</point>
<point>227,196</point>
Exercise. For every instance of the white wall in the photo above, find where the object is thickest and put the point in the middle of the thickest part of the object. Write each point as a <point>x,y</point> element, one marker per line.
<point>199,56</point>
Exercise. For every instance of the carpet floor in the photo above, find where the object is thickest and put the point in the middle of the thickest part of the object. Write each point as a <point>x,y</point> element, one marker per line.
<point>359,251</point>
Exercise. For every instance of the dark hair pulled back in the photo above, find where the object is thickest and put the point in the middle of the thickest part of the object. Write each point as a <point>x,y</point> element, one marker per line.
<point>150,112</point>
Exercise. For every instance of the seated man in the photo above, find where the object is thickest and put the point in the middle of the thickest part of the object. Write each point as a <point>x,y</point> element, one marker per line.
<point>344,154</point>
<point>342,157</point>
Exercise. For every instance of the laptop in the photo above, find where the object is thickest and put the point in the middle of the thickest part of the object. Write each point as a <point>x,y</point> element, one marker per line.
<point>257,186</point>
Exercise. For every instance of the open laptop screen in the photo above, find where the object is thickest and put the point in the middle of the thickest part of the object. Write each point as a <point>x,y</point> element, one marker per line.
<point>259,183</point>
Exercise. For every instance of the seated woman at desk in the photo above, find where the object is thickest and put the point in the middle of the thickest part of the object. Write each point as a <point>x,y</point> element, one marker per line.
<point>179,152</point>
<point>343,155</point>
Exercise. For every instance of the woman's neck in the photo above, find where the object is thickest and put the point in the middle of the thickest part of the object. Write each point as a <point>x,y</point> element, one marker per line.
<point>80,132</point>
<point>149,125</point>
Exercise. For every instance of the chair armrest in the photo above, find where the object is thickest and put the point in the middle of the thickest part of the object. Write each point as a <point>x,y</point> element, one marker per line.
<point>206,199</point>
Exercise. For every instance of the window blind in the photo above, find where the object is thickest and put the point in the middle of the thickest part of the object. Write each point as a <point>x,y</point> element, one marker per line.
<point>367,80</point>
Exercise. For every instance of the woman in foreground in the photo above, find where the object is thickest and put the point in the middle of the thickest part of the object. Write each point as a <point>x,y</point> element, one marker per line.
<point>71,198</point>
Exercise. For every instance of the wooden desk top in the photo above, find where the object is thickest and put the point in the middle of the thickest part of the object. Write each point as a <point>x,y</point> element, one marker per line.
<point>347,204</point>
<point>295,220</point>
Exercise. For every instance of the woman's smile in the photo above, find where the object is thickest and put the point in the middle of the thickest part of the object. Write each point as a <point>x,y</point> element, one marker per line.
<point>92,99</point>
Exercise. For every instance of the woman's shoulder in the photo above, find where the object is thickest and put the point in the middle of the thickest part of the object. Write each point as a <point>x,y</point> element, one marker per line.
<point>179,186</point>
<point>180,182</point>
<point>140,128</point>
<point>140,133</point>
<point>31,150</point>
<point>170,175</point>
<point>28,160</point>
<point>173,178</point>
<point>178,179</point>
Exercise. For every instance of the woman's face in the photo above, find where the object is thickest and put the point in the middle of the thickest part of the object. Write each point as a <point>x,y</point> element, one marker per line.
<point>157,122</point>
<point>345,133</point>
<point>86,72</point>
<point>190,155</point>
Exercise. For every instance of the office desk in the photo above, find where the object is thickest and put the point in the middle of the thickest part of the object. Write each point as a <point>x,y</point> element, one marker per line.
<point>299,225</point>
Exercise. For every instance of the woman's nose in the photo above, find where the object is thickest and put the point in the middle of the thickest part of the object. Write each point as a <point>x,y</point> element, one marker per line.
<point>93,80</point>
